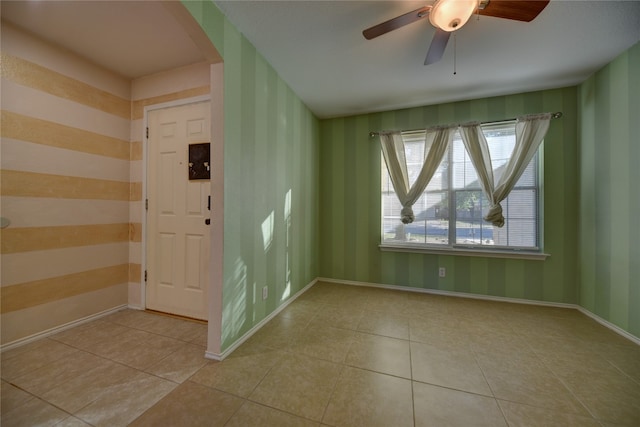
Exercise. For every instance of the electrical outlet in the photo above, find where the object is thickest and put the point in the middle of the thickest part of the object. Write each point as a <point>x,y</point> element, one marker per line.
<point>265,293</point>
<point>442,272</point>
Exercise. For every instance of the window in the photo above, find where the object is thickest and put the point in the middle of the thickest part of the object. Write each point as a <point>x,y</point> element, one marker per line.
<point>449,213</point>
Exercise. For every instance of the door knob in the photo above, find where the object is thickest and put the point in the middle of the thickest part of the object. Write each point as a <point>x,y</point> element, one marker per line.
<point>207,221</point>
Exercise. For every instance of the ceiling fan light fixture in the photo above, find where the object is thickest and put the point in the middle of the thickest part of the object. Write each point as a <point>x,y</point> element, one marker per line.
<point>450,15</point>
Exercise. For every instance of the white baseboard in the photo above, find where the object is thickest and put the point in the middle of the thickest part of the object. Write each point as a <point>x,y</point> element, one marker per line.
<point>35,337</point>
<point>257,327</point>
<point>583,310</point>
<point>450,293</point>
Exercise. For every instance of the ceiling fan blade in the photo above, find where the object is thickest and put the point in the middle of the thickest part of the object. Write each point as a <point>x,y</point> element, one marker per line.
<point>437,47</point>
<point>518,10</point>
<point>395,23</point>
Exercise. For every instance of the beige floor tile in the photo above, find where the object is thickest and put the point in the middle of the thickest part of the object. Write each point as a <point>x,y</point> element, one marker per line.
<point>11,397</point>
<point>354,297</point>
<point>168,326</point>
<point>555,346</point>
<point>380,354</point>
<point>609,395</point>
<point>252,414</point>
<point>130,318</point>
<point>86,336</point>
<point>301,311</point>
<point>181,364</point>
<point>337,317</point>
<point>448,368</point>
<point>437,406</point>
<point>323,342</point>
<point>321,292</point>
<point>387,301</point>
<point>125,401</point>
<point>112,346</point>
<point>525,379</point>
<point>566,364</point>
<point>34,412</point>
<point>624,357</point>
<point>546,365</point>
<point>32,356</point>
<point>89,386</point>
<point>193,405</point>
<point>183,330</point>
<point>369,399</point>
<point>388,325</point>
<point>440,334</point>
<point>519,415</point>
<point>499,342</point>
<point>138,349</point>
<point>277,333</point>
<point>425,306</point>
<point>476,311</point>
<point>580,328</point>
<point>72,422</point>
<point>533,312</point>
<point>241,372</point>
<point>52,375</point>
<point>299,385</point>
<point>201,337</point>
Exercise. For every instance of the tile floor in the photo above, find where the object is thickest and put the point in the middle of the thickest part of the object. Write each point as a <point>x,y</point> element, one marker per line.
<point>338,356</point>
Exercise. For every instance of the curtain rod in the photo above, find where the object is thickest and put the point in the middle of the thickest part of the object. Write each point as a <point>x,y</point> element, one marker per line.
<point>555,115</point>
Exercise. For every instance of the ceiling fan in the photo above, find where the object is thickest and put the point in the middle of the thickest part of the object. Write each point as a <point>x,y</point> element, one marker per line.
<point>450,15</point>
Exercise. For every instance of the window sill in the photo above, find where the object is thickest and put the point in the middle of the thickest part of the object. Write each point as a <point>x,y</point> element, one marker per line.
<point>537,256</point>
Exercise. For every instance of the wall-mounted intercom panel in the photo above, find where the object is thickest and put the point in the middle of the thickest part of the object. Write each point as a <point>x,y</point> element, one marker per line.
<point>200,161</point>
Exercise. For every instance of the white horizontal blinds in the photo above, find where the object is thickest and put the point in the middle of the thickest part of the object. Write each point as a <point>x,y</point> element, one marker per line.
<point>519,208</point>
<point>410,184</point>
<point>430,224</point>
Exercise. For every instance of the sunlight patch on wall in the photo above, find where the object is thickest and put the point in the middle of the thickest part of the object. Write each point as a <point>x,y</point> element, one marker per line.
<point>233,315</point>
<point>287,223</point>
<point>267,231</point>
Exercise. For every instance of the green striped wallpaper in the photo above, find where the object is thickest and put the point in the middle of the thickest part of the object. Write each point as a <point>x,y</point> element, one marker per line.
<point>271,181</point>
<point>350,204</point>
<point>273,144</point>
<point>609,263</point>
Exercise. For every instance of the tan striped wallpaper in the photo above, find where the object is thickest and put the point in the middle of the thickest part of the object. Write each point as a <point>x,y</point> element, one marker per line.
<point>46,80</point>
<point>44,132</point>
<point>71,185</point>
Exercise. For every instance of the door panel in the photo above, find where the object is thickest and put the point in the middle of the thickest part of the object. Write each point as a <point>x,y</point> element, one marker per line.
<point>178,239</point>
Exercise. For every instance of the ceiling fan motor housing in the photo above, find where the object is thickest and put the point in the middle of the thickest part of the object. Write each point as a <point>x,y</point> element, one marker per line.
<point>450,15</point>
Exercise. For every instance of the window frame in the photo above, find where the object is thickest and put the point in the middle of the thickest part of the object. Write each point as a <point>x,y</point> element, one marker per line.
<point>453,248</point>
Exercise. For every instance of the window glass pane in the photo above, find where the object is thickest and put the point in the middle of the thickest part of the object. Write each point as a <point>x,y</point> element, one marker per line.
<point>464,174</point>
<point>471,229</point>
<point>414,152</point>
<point>440,180</point>
<point>530,175</point>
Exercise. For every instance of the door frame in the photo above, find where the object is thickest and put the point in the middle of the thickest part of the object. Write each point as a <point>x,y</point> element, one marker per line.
<point>145,163</point>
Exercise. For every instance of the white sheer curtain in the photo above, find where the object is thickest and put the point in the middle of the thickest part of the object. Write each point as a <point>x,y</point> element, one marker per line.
<point>530,131</point>
<point>437,140</point>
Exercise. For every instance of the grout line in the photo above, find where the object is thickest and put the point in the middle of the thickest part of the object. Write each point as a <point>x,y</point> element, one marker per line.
<point>413,394</point>
<point>343,367</point>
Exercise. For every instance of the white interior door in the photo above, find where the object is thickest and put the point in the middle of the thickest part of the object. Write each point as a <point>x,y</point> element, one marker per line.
<point>178,236</point>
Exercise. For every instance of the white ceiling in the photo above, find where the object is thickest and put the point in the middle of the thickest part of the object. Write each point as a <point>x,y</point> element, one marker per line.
<point>317,47</point>
<point>131,38</point>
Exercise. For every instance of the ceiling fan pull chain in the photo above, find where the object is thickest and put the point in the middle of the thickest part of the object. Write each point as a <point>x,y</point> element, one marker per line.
<point>455,37</point>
